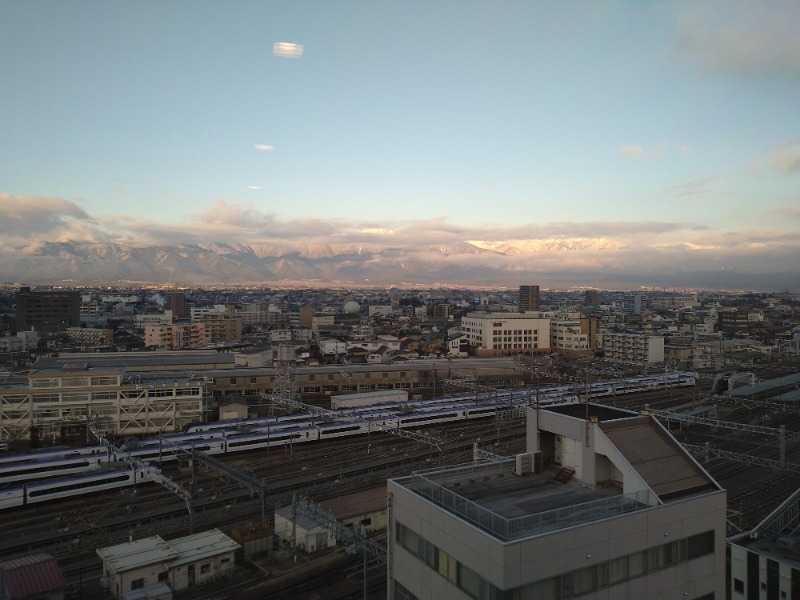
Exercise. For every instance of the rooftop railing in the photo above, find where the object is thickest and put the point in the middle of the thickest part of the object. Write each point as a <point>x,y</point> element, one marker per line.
<point>506,529</point>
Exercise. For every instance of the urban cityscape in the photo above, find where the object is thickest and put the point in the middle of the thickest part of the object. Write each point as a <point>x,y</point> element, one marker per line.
<point>366,299</point>
<point>143,400</point>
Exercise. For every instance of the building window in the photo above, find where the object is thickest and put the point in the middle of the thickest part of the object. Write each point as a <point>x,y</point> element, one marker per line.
<point>206,568</point>
<point>137,584</point>
<point>163,576</point>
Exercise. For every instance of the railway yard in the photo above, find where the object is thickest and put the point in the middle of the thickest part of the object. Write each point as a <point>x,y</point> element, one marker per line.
<point>750,443</point>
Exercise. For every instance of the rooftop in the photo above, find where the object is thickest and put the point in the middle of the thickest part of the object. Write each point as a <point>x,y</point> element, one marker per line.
<point>508,507</point>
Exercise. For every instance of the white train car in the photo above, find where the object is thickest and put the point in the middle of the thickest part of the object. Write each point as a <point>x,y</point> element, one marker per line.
<point>30,471</point>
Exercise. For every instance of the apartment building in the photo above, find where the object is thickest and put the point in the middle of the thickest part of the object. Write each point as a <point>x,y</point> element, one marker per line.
<point>605,504</point>
<point>633,348</point>
<point>89,336</point>
<point>495,334</point>
<point>175,337</point>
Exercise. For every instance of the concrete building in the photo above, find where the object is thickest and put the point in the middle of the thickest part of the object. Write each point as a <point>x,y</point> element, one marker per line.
<point>528,298</point>
<point>633,348</point>
<point>142,321</point>
<point>47,311</point>
<point>764,561</point>
<point>58,401</point>
<point>572,334</point>
<point>152,568</point>
<point>492,334</point>
<point>632,303</point>
<point>175,337</point>
<point>89,336</point>
<point>605,504</point>
<point>176,303</point>
<point>302,532</point>
<point>224,328</point>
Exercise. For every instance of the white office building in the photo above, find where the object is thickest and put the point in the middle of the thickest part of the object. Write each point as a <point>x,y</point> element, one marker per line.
<point>605,504</point>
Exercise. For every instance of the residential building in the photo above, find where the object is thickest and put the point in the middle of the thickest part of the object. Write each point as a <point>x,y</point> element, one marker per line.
<point>632,303</point>
<point>528,298</point>
<point>175,337</point>
<point>143,320</point>
<point>223,328</point>
<point>47,312</point>
<point>605,504</point>
<point>493,334</point>
<point>89,336</point>
<point>176,303</point>
<point>633,348</point>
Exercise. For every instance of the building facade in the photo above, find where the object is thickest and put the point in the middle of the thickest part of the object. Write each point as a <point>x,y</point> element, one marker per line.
<point>47,311</point>
<point>175,337</point>
<point>496,334</point>
<point>609,507</point>
<point>60,401</point>
<point>528,298</point>
<point>633,348</point>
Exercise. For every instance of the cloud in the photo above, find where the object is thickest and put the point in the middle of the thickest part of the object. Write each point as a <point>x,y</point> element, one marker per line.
<point>287,50</point>
<point>693,187</point>
<point>27,218</point>
<point>263,147</point>
<point>790,210</point>
<point>742,38</point>
<point>590,252</point>
<point>638,152</point>
<point>253,187</point>
<point>785,156</point>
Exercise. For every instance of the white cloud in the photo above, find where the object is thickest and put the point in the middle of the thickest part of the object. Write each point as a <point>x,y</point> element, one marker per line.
<point>287,50</point>
<point>636,151</point>
<point>263,147</point>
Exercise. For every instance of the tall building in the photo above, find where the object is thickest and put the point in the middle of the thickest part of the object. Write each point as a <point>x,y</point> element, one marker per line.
<point>605,504</point>
<point>47,311</point>
<point>632,303</point>
<point>528,298</point>
<point>176,302</point>
<point>591,298</point>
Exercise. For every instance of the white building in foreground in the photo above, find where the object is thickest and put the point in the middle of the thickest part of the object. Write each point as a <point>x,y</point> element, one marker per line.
<point>605,504</point>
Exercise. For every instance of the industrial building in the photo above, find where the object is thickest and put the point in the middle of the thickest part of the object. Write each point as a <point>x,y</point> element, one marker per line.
<point>604,504</point>
<point>153,568</point>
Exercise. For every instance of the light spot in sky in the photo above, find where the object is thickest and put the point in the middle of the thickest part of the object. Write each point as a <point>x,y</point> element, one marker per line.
<point>263,147</point>
<point>253,187</point>
<point>287,50</point>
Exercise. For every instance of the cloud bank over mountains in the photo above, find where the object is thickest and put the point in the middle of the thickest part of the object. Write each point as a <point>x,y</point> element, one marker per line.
<point>54,241</point>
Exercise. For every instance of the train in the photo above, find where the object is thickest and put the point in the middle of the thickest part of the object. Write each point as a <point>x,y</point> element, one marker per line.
<point>44,491</point>
<point>253,434</point>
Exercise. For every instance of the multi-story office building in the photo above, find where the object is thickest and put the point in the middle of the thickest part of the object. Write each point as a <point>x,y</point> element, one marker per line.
<point>605,504</point>
<point>59,399</point>
<point>528,298</point>
<point>633,348</point>
<point>47,311</point>
<point>763,562</point>
<point>494,334</point>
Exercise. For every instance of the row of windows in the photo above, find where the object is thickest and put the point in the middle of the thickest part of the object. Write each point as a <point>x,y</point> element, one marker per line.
<point>569,585</point>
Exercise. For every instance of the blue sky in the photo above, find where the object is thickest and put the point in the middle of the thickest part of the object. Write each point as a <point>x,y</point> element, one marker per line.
<point>653,126</point>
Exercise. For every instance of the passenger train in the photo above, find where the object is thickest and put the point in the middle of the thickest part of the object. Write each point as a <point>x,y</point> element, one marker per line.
<point>253,434</point>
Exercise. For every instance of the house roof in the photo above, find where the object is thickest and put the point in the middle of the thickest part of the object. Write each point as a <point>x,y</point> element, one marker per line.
<point>31,575</point>
<point>132,555</point>
<point>202,545</point>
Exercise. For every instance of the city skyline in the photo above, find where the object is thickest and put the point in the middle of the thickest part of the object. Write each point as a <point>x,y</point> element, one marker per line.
<point>600,144</point>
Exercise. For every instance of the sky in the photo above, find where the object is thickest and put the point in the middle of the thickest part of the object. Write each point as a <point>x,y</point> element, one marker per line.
<point>669,131</point>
